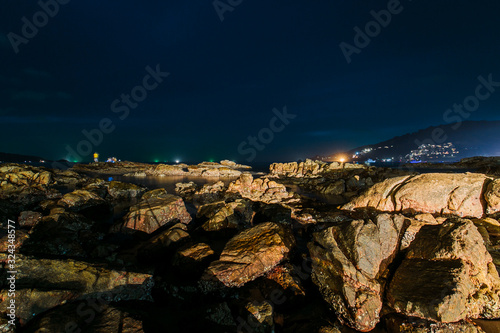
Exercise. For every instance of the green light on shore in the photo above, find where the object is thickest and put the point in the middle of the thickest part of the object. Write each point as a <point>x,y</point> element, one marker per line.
<point>156,161</point>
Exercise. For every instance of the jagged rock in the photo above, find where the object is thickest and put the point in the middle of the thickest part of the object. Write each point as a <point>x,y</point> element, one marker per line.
<point>251,254</point>
<point>447,276</point>
<point>66,177</point>
<point>221,215</point>
<point>29,219</point>
<point>348,262</point>
<point>458,194</point>
<point>119,190</point>
<point>234,165</point>
<point>309,168</point>
<point>415,224</point>
<point>285,276</point>
<point>197,252</point>
<point>83,200</point>
<point>260,189</point>
<point>149,215</point>
<point>260,317</point>
<point>210,193</point>
<point>186,190</point>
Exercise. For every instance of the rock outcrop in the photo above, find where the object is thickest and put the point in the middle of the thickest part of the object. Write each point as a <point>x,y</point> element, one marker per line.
<point>309,168</point>
<point>458,194</point>
<point>260,189</point>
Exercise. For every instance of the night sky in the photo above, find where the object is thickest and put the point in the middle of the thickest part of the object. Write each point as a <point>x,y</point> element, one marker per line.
<point>226,77</point>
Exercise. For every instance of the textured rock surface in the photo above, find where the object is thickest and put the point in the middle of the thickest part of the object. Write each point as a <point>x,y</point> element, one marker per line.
<point>309,168</point>
<point>447,275</point>
<point>151,214</point>
<point>251,254</point>
<point>260,189</point>
<point>348,261</point>
<point>459,194</point>
<point>80,200</point>
<point>221,215</point>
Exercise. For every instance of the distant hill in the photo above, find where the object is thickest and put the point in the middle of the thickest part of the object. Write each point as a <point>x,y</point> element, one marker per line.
<point>470,138</point>
<point>16,158</point>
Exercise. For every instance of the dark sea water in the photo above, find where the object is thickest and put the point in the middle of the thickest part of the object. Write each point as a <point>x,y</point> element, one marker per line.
<point>168,182</point>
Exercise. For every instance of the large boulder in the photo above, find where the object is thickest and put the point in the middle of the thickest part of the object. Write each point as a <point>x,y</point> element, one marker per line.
<point>447,275</point>
<point>442,193</point>
<point>151,214</point>
<point>251,254</point>
<point>349,262</point>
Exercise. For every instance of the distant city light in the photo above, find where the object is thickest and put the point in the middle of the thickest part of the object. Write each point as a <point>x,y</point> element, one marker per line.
<point>177,161</point>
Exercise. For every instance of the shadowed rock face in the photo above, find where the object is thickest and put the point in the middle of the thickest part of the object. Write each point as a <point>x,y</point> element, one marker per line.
<point>151,214</point>
<point>251,254</point>
<point>447,275</point>
<point>348,261</point>
<point>458,194</point>
<point>46,283</point>
<point>91,315</point>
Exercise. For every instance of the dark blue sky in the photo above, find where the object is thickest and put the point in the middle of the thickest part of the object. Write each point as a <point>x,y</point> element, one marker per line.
<point>227,76</point>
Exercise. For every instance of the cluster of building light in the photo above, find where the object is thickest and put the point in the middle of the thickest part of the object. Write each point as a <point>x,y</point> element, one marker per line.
<point>433,152</point>
<point>359,154</point>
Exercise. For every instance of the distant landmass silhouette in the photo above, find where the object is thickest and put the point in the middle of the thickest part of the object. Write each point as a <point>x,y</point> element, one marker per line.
<point>470,138</point>
<point>17,158</point>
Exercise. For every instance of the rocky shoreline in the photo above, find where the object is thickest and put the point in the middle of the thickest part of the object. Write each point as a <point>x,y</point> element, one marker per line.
<point>205,169</point>
<point>394,251</point>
